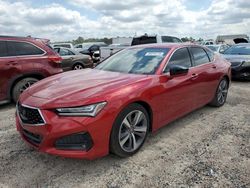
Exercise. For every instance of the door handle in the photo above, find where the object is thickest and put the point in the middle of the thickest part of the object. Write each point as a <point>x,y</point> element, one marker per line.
<point>214,66</point>
<point>194,76</point>
<point>11,63</point>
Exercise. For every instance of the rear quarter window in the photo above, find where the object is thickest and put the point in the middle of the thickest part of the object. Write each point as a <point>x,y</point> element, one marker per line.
<point>200,56</point>
<point>210,55</point>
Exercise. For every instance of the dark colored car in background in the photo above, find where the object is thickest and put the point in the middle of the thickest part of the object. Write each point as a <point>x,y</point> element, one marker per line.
<point>112,108</point>
<point>239,57</point>
<point>91,49</point>
<point>24,61</point>
<point>73,60</point>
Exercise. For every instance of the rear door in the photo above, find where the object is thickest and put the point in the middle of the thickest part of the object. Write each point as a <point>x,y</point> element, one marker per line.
<point>204,76</point>
<point>67,57</point>
<point>9,68</point>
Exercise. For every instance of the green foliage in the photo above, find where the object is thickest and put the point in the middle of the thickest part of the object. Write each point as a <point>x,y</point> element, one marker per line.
<point>80,40</point>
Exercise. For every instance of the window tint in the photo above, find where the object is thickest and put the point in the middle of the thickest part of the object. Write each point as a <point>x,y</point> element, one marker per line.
<point>170,39</point>
<point>64,52</point>
<point>22,48</point>
<point>143,40</point>
<point>200,56</point>
<point>180,57</point>
<point>210,55</point>
<point>3,49</point>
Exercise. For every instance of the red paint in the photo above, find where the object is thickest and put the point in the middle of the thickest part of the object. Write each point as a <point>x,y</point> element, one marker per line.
<point>169,98</point>
<point>14,68</point>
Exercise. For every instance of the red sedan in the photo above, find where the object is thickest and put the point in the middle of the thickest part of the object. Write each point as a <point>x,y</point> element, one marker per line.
<point>89,113</point>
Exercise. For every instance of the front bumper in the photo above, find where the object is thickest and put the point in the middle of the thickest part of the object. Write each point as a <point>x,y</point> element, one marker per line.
<point>241,72</point>
<point>57,129</point>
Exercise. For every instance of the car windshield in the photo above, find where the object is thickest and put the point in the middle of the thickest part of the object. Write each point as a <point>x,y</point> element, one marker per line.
<point>135,60</point>
<point>238,50</point>
<point>213,48</point>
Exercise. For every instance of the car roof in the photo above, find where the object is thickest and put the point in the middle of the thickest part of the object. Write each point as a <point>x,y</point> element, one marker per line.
<point>165,45</point>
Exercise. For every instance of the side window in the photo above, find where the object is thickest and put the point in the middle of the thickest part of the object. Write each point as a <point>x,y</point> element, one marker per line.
<point>70,52</point>
<point>57,50</point>
<point>3,49</point>
<point>22,48</point>
<point>176,40</point>
<point>180,57</point>
<point>200,56</point>
<point>210,55</point>
<point>63,52</point>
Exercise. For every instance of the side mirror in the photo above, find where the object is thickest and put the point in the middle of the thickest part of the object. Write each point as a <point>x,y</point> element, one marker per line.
<point>178,70</point>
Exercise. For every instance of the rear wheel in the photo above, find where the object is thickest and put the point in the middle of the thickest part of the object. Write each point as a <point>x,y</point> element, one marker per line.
<point>78,66</point>
<point>221,94</point>
<point>20,86</point>
<point>129,130</point>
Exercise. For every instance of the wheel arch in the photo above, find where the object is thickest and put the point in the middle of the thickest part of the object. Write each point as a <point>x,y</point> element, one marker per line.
<point>78,63</point>
<point>20,77</point>
<point>150,112</point>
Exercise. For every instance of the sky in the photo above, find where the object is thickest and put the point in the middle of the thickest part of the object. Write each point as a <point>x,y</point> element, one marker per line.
<point>64,20</point>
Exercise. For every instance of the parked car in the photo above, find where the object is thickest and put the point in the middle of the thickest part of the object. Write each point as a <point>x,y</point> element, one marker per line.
<point>87,45</point>
<point>110,50</point>
<point>144,39</point>
<point>60,44</point>
<point>73,60</point>
<point>219,48</point>
<point>239,56</point>
<point>208,42</point>
<point>24,61</point>
<point>232,39</point>
<point>112,108</point>
<point>91,48</point>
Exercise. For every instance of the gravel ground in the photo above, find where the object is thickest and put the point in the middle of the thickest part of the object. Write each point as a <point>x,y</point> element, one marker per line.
<point>207,148</point>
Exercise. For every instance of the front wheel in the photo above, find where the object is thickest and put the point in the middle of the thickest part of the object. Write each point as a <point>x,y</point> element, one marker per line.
<point>20,86</point>
<point>129,130</point>
<point>221,94</point>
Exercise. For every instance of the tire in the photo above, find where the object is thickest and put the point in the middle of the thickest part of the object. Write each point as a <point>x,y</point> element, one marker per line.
<point>77,66</point>
<point>128,134</point>
<point>221,94</point>
<point>20,86</point>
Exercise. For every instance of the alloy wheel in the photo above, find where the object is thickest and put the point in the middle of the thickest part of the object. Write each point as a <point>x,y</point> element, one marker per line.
<point>133,131</point>
<point>222,92</point>
<point>26,85</point>
<point>78,67</point>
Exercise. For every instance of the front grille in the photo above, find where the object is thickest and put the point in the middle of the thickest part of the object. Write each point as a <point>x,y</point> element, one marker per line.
<point>79,141</point>
<point>34,139</point>
<point>29,115</point>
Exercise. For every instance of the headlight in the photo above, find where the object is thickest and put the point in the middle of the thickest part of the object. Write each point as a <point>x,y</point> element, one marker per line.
<point>245,63</point>
<point>89,110</point>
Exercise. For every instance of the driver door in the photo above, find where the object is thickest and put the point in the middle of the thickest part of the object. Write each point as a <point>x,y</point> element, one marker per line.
<point>176,96</point>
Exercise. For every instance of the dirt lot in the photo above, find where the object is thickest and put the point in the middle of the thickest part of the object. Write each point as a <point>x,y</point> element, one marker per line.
<point>207,148</point>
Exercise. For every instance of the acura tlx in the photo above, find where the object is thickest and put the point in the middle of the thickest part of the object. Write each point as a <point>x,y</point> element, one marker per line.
<point>112,108</point>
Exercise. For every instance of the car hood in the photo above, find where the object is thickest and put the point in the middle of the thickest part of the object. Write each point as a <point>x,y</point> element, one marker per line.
<point>236,58</point>
<point>80,85</point>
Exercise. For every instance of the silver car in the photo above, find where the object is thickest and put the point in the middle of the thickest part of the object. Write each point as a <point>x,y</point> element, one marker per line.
<point>219,48</point>
<point>239,56</point>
